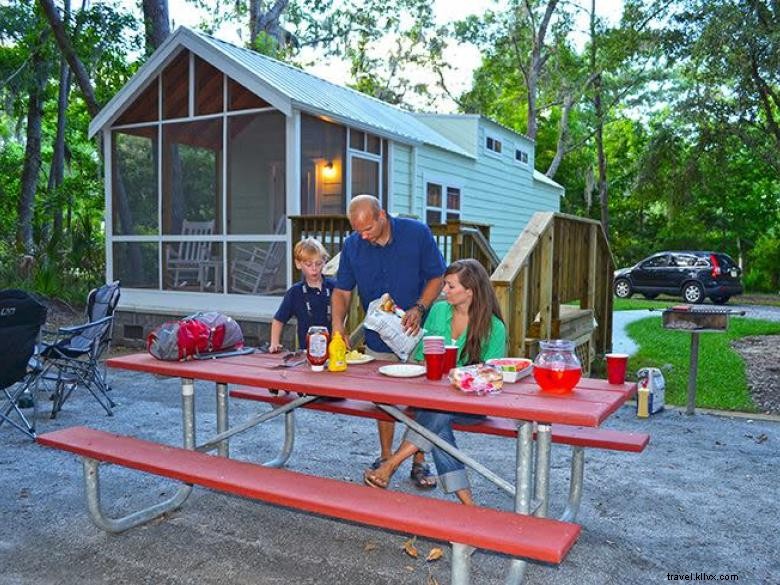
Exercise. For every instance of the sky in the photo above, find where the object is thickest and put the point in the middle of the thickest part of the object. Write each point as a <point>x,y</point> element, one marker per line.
<point>465,58</point>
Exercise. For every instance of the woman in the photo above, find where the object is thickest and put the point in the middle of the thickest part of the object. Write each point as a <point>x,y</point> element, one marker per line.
<point>471,318</point>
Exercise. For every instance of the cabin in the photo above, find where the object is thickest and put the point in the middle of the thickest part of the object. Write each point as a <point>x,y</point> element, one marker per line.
<point>218,159</point>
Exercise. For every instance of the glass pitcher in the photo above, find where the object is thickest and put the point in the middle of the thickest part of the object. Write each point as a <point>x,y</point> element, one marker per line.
<point>556,368</point>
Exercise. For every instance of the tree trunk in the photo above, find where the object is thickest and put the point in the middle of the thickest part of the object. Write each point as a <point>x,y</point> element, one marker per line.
<point>57,171</point>
<point>266,21</point>
<point>76,66</point>
<point>156,23</point>
<point>32,152</point>
<point>563,135</point>
<point>598,110</point>
<point>537,61</point>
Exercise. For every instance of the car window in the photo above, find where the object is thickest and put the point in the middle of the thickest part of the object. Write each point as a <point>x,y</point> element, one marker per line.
<point>661,261</point>
<point>726,262</point>
<point>684,260</point>
<point>702,262</point>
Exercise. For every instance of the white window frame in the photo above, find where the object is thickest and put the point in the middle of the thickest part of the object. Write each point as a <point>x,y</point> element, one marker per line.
<point>353,153</point>
<point>444,209</point>
<point>495,139</point>
<point>527,157</point>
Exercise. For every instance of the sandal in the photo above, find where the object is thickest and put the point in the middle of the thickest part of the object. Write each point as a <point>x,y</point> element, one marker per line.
<point>378,463</point>
<point>371,479</point>
<point>421,476</point>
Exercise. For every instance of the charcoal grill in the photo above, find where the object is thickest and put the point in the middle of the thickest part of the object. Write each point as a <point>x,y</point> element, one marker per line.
<point>696,319</point>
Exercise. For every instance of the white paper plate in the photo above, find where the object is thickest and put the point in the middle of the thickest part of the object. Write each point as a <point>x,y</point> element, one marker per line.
<point>362,360</point>
<point>402,370</point>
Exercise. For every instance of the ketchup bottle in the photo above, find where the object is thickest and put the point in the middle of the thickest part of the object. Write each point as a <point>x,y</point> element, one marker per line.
<point>317,347</point>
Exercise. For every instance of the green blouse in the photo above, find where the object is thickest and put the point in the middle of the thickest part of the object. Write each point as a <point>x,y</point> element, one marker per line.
<point>439,322</point>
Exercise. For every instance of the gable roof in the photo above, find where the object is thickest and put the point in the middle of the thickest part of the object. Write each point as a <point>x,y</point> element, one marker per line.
<point>283,86</point>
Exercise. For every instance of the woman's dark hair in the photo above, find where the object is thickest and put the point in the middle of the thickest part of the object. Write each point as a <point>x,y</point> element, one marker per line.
<point>484,304</point>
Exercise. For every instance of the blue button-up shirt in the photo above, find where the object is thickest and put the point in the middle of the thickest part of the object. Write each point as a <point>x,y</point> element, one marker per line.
<point>309,305</point>
<point>402,267</point>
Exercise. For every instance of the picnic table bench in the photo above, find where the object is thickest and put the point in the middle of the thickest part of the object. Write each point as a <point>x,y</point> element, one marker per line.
<point>575,436</point>
<point>538,539</point>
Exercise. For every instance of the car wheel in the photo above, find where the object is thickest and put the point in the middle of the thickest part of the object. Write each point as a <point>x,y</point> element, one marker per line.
<point>649,296</point>
<point>693,293</point>
<point>623,288</point>
<point>720,300</point>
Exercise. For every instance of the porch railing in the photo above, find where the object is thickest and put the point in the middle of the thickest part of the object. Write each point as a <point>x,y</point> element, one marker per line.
<point>461,239</point>
<point>556,260</point>
<point>456,239</point>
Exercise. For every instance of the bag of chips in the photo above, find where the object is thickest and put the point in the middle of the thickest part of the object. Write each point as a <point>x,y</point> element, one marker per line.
<point>384,317</point>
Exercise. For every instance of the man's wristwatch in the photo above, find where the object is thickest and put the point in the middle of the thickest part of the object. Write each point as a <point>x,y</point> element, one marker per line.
<point>421,308</point>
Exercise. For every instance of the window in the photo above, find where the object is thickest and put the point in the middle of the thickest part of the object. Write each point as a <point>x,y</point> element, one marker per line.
<point>493,144</point>
<point>661,261</point>
<point>684,260</point>
<point>521,156</point>
<point>365,142</point>
<point>367,159</point>
<point>323,146</point>
<point>441,203</point>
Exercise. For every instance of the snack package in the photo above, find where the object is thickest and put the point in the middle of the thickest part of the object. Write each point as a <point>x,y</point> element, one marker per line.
<point>478,379</point>
<point>384,317</point>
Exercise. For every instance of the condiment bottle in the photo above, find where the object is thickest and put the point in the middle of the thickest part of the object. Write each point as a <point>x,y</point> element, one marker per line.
<point>317,347</point>
<point>337,354</point>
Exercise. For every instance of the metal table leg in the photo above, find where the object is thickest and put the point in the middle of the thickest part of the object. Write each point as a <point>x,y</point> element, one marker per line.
<point>523,490</point>
<point>542,468</point>
<point>92,477</point>
<point>223,447</point>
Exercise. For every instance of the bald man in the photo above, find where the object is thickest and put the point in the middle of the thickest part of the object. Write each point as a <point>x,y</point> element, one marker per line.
<point>399,256</point>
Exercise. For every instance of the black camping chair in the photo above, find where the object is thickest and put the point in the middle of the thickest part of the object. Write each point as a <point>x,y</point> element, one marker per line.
<point>72,357</point>
<point>21,318</point>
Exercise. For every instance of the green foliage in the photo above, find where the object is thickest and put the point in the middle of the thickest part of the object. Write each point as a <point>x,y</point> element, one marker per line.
<point>721,382</point>
<point>764,274</point>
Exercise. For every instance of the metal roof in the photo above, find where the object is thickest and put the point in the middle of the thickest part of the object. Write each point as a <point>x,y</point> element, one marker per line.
<point>305,91</point>
<point>542,178</point>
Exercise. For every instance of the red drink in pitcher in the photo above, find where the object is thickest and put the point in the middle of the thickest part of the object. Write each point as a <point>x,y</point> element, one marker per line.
<point>557,381</point>
<point>556,368</point>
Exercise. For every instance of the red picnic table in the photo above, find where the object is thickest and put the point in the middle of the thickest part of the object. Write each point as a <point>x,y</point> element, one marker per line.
<point>590,403</point>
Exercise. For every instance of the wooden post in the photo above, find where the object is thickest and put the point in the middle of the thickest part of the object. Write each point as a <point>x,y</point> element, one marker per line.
<point>590,294</point>
<point>546,275</point>
<point>693,373</point>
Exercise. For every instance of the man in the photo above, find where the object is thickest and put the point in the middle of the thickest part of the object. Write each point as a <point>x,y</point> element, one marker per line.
<point>388,255</point>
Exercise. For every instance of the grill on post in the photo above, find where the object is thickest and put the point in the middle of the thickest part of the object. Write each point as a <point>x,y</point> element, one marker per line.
<point>696,319</point>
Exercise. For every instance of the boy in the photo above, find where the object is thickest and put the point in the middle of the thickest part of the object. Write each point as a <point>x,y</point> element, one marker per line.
<point>308,300</point>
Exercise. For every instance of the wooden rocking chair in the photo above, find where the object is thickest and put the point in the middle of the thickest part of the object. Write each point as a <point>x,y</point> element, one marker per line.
<point>185,262</point>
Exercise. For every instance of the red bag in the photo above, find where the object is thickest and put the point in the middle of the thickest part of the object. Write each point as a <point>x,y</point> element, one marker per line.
<point>199,334</point>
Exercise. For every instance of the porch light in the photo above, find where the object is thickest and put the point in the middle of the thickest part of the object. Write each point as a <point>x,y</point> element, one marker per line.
<point>329,171</point>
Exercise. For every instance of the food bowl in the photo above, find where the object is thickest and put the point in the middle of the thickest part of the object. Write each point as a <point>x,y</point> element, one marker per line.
<point>512,369</point>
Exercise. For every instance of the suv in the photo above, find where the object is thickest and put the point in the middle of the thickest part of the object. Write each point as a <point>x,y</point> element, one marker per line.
<point>693,275</point>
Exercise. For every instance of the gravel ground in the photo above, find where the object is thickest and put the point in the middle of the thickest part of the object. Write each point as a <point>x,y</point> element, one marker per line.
<point>701,498</point>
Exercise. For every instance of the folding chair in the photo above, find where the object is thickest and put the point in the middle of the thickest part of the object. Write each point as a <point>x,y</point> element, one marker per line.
<point>21,318</point>
<point>72,358</point>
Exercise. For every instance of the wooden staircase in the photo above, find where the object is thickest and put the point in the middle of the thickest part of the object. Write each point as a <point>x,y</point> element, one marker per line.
<point>558,259</point>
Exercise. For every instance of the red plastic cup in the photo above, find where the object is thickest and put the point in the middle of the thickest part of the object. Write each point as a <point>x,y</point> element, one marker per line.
<point>616,367</point>
<point>450,357</point>
<point>434,365</point>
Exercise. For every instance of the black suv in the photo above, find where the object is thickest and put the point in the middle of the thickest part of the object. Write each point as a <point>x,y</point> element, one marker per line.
<point>693,275</point>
